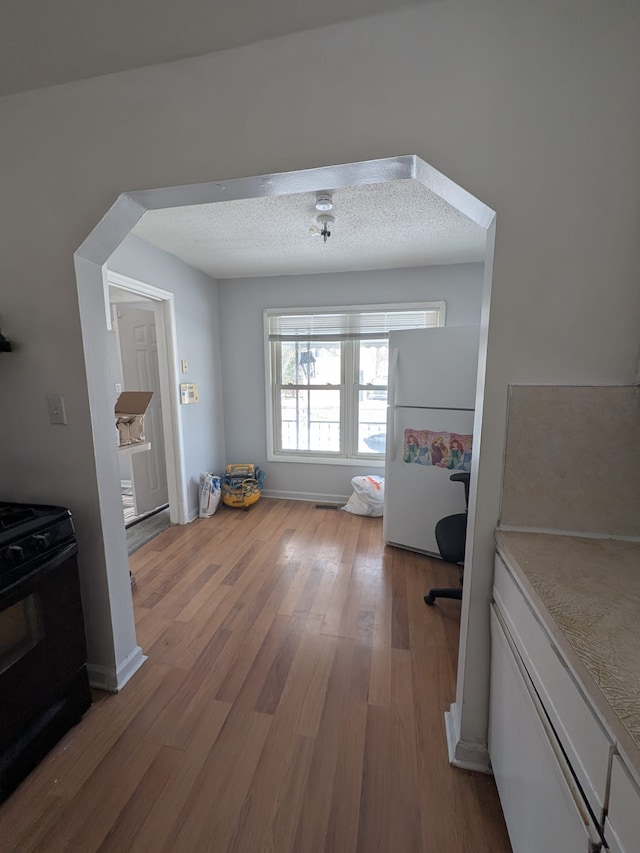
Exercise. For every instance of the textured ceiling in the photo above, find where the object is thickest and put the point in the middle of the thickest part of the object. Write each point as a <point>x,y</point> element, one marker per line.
<point>377,226</point>
<point>43,42</point>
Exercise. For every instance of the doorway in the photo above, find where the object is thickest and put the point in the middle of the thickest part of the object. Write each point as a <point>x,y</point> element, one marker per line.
<point>142,358</point>
<point>135,367</point>
<point>92,278</point>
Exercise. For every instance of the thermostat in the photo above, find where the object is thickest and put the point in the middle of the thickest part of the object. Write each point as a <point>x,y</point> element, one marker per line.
<point>189,394</point>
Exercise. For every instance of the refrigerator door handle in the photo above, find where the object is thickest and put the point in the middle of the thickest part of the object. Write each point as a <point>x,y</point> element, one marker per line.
<point>391,431</point>
<point>393,371</point>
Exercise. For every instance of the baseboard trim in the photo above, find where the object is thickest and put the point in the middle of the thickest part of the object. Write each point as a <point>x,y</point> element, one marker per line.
<point>113,680</point>
<point>312,497</point>
<point>466,755</point>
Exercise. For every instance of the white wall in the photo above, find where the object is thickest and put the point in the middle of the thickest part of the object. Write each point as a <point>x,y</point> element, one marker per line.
<point>198,339</point>
<point>532,107</point>
<point>241,305</point>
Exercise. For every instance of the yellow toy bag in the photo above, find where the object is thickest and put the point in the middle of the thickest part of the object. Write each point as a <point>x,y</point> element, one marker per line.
<point>242,485</point>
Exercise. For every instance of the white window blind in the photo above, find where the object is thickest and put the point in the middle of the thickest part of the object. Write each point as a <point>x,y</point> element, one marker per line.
<point>330,324</point>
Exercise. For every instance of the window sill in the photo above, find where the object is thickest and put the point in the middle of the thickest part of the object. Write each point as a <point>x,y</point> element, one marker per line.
<point>357,462</point>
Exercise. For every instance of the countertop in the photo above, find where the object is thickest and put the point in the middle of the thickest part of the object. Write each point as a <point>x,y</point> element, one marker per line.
<point>588,592</point>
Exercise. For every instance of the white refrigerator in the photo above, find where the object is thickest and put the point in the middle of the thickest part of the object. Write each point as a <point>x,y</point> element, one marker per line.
<point>432,391</point>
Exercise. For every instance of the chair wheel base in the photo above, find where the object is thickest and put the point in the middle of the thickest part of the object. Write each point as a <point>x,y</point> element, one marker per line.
<point>430,597</point>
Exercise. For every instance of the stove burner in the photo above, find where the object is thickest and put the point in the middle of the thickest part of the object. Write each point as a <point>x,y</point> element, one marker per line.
<point>28,532</point>
<point>10,516</point>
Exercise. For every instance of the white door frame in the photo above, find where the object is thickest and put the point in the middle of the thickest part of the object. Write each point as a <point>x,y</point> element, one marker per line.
<point>164,312</point>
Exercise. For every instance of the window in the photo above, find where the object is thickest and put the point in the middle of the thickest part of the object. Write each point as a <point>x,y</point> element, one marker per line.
<point>328,373</point>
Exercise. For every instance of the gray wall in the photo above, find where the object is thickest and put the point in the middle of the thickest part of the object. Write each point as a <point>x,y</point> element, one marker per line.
<point>198,340</point>
<point>241,305</point>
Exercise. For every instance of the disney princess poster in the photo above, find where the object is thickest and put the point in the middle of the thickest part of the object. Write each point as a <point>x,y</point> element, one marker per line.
<point>441,449</point>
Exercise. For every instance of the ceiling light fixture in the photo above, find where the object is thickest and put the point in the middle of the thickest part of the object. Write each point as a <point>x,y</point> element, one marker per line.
<point>323,228</point>
<point>324,201</point>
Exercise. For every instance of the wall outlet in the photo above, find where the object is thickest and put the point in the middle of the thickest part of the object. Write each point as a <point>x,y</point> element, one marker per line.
<point>57,414</point>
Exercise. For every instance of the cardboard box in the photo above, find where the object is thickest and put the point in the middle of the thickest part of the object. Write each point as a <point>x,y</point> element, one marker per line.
<point>129,411</point>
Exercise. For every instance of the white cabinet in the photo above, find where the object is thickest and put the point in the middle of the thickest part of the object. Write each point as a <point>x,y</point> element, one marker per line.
<point>584,739</point>
<point>543,806</point>
<point>622,830</point>
<point>561,759</point>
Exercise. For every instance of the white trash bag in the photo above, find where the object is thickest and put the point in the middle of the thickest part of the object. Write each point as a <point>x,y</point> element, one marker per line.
<point>210,493</point>
<point>367,497</point>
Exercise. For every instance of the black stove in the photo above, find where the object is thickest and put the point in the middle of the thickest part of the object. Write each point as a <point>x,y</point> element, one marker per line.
<point>44,689</point>
<point>14,514</point>
<point>27,534</point>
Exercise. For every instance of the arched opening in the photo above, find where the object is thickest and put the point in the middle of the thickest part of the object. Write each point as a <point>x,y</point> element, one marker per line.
<point>110,556</point>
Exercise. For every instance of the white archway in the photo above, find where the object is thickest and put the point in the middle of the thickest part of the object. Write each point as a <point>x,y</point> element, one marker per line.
<point>90,264</point>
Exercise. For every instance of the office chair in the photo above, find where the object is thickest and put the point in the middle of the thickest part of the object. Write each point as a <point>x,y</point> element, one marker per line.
<point>451,536</point>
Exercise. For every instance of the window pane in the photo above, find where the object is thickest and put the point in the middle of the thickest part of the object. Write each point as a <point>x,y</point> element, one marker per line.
<point>372,421</point>
<point>311,363</point>
<point>373,362</point>
<point>310,420</point>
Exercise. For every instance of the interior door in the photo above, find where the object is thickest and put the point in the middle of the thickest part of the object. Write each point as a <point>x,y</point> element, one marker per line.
<point>139,350</point>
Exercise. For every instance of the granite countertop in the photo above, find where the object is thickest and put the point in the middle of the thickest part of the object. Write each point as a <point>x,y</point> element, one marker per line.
<point>588,591</point>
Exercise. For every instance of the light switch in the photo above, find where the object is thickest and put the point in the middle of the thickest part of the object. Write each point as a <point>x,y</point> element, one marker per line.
<point>57,414</point>
<point>184,366</point>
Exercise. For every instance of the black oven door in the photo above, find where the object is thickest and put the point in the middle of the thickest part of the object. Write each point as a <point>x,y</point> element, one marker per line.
<point>42,645</point>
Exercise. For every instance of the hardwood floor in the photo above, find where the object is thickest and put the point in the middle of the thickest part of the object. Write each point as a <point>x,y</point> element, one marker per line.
<point>293,700</point>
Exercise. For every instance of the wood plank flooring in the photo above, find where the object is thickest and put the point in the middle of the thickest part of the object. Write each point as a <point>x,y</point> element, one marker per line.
<point>293,700</point>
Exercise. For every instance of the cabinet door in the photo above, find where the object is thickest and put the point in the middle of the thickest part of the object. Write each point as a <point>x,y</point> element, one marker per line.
<point>542,805</point>
<point>585,741</point>
<point>622,830</point>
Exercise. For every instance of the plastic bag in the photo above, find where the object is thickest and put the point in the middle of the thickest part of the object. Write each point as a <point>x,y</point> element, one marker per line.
<point>210,493</point>
<point>367,497</point>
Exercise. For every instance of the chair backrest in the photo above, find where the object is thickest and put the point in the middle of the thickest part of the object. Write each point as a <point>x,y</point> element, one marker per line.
<point>463,477</point>
<point>451,531</point>
<point>451,536</point>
